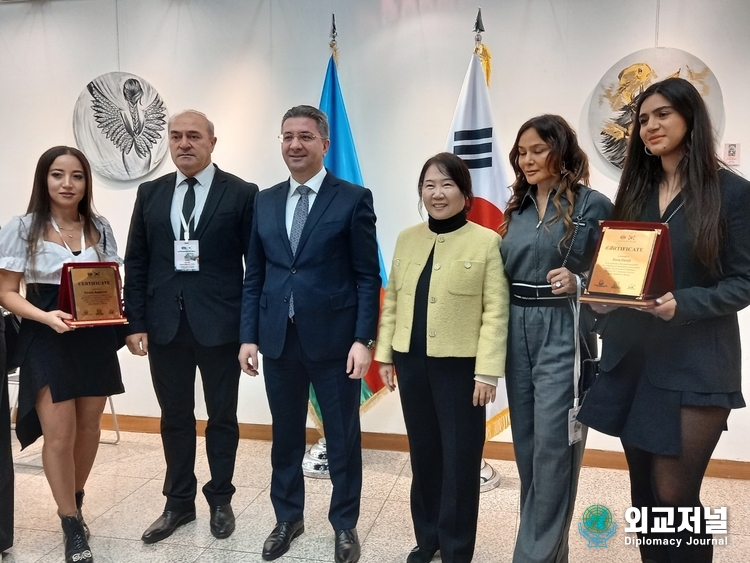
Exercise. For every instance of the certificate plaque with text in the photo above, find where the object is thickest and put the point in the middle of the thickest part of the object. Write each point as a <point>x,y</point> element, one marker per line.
<point>92,293</point>
<point>632,265</point>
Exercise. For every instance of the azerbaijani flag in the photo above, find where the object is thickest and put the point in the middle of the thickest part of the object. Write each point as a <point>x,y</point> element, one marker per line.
<point>472,137</point>
<point>342,161</point>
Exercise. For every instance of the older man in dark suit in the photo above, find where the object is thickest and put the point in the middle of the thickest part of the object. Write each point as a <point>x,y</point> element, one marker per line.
<point>183,285</point>
<point>310,305</point>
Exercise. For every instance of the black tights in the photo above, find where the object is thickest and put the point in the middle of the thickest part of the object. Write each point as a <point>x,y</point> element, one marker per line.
<point>672,481</point>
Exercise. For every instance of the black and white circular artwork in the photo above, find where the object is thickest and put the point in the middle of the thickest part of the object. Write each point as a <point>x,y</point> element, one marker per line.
<point>612,108</point>
<point>120,124</point>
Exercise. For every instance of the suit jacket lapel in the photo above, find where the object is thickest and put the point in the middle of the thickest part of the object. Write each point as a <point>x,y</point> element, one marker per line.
<point>324,198</point>
<point>163,197</point>
<point>280,213</point>
<point>215,193</point>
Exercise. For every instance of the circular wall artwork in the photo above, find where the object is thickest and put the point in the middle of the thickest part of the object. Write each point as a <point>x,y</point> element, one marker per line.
<point>612,109</point>
<point>120,124</point>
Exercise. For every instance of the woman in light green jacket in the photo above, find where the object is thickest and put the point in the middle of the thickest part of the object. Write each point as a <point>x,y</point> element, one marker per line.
<point>444,327</point>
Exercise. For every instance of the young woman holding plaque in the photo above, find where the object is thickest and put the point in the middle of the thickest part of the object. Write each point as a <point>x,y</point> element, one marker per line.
<point>444,325</point>
<point>65,375</point>
<point>550,234</point>
<point>671,374</point>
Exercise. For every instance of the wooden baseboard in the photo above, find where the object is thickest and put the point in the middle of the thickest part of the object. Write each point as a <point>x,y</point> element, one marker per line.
<point>723,468</point>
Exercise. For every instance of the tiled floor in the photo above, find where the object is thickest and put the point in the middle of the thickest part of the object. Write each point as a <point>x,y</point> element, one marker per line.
<point>123,497</point>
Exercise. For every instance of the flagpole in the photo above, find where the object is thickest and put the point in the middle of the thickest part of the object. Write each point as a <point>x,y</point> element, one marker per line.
<point>342,161</point>
<point>315,462</point>
<point>489,478</point>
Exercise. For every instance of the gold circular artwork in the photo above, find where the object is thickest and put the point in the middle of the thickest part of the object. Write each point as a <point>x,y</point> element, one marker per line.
<point>612,108</point>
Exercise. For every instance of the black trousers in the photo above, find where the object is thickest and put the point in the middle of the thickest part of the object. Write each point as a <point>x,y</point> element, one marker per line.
<point>173,368</point>
<point>288,380</point>
<point>6,458</point>
<point>446,436</point>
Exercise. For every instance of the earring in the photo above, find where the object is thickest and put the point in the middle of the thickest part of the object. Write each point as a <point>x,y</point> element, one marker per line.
<point>648,152</point>
<point>563,170</point>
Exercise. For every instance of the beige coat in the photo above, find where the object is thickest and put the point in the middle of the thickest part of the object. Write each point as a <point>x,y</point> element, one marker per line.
<point>467,311</point>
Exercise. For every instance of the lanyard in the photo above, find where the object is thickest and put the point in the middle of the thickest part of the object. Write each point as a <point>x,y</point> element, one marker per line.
<point>57,230</point>
<point>185,230</point>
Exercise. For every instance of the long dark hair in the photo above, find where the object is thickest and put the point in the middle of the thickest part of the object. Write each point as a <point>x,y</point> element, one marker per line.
<point>698,171</point>
<point>39,204</point>
<point>565,155</point>
<point>455,168</point>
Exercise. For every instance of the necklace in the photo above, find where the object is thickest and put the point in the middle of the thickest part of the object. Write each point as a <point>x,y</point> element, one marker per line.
<point>541,204</point>
<point>667,192</point>
<point>675,211</point>
<point>72,231</point>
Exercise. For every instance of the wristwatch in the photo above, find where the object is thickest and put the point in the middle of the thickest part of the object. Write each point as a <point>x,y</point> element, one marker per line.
<point>370,344</point>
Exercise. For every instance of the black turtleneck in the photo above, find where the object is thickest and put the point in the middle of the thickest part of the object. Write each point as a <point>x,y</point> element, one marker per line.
<point>418,344</point>
<point>442,226</point>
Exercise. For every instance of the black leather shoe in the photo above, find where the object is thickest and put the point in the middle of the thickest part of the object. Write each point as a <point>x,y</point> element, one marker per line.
<point>165,524</point>
<point>277,544</point>
<point>421,555</point>
<point>347,546</point>
<point>222,521</point>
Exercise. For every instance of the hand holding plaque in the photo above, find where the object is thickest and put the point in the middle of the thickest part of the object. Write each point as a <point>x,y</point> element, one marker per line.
<point>91,292</point>
<point>632,265</point>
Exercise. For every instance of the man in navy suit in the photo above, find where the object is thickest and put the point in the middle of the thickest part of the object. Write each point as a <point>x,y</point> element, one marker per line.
<point>183,291</point>
<point>310,305</point>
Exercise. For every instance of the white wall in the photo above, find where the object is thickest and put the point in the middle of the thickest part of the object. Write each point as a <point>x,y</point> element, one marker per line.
<point>244,62</point>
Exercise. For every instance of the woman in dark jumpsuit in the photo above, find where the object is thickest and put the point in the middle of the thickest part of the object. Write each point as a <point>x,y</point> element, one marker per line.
<point>549,237</point>
<point>671,374</point>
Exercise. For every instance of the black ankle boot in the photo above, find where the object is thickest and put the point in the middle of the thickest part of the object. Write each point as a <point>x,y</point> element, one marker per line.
<point>79,504</point>
<point>76,546</point>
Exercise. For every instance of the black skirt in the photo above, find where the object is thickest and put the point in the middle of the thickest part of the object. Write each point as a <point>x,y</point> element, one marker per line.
<point>79,363</point>
<point>624,403</point>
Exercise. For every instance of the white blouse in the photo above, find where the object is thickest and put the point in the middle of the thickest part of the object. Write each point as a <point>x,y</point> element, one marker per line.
<point>50,256</point>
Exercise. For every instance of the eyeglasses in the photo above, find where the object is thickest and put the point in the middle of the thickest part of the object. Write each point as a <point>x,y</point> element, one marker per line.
<point>287,138</point>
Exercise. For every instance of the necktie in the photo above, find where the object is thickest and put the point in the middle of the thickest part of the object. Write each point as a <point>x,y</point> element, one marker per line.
<point>188,205</point>
<point>300,216</point>
<point>298,223</point>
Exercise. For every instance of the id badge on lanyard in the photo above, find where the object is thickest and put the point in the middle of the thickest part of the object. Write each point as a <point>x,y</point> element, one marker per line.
<point>186,252</point>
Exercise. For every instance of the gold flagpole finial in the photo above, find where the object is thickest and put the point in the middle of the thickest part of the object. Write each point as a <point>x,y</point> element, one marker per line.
<point>480,48</point>
<point>333,44</point>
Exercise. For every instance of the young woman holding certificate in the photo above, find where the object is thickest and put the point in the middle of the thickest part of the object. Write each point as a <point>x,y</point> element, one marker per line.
<point>550,234</point>
<point>66,375</point>
<point>671,374</point>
